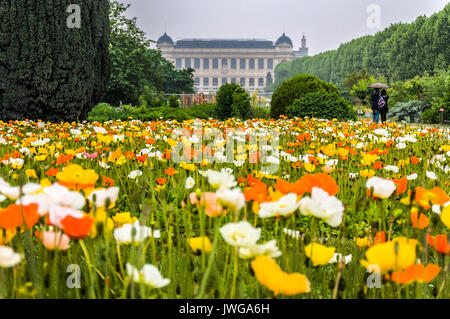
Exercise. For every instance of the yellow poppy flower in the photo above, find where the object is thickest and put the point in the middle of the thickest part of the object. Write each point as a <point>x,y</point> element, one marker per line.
<point>319,254</point>
<point>199,244</point>
<point>445,216</point>
<point>270,275</point>
<point>399,253</point>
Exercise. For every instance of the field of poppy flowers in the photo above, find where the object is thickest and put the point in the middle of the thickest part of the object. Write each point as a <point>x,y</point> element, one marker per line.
<point>107,210</point>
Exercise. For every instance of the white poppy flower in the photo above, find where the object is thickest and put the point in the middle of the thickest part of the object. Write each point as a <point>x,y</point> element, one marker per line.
<point>148,275</point>
<point>241,234</point>
<point>285,206</point>
<point>231,198</point>
<point>134,233</point>
<point>8,258</point>
<point>268,249</point>
<point>382,188</point>
<point>323,206</point>
<point>190,182</point>
<point>135,174</point>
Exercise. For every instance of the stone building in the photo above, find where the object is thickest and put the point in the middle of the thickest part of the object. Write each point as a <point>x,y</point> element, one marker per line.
<point>250,62</point>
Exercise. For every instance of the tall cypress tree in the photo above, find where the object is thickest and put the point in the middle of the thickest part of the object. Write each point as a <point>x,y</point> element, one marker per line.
<point>49,71</point>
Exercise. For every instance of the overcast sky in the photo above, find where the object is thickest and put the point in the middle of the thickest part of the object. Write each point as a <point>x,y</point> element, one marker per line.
<point>326,23</point>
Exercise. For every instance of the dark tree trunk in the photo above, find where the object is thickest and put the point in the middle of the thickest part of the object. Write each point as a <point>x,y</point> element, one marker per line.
<point>49,71</point>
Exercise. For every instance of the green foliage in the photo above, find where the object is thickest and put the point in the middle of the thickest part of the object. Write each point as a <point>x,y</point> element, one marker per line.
<point>47,70</point>
<point>430,116</point>
<point>232,101</point>
<point>104,112</point>
<point>322,104</point>
<point>151,98</point>
<point>409,111</point>
<point>137,69</point>
<point>208,109</point>
<point>257,112</point>
<point>361,89</point>
<point>400,52</point>
<point>295,88</point>
<point>173,101</point>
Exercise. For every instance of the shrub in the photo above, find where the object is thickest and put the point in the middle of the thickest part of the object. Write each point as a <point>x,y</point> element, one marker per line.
<point>173,101</point>
<point>409,111</point>
<point>430,116</point>
<point>322,104</point>
<point>232,101</point>
<point>210,109</point>
<point>259,113</point>
<point>103,112</point>
<point>295,88</point>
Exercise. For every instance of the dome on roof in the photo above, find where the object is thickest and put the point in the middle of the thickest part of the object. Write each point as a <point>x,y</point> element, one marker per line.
<point>165,39</point>
<point>284,39</point>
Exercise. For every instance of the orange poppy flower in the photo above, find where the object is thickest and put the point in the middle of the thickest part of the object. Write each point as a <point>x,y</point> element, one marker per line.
<point>14,215</point>
<point>389,143</point>
<point>129,155</point>
<point>161,180</point>
<point>77,228</point>
<point>440,242</point>
<point>170,171</point>
<point>258,193</point>
<point>414,160</point>
<point>436,196</point>
<point>416,273</point>
<point>64,159</point>
<point>320,180</point>
<point>142,158</point>
<point>419,221</point>
<point>380,238</point>
<point>378,165</point>
<point>108,181</point>
<point>52,172</point>
<point>401,184</point>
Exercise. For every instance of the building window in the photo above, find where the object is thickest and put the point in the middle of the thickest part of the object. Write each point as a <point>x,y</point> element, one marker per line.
<point>251,63</point>
<point>261,82</point>
<point>215,82</point>
<point>242,81</point>
<point>187,63</point>
<point>251,82</point>
<point>205,82</point>
<point>215,63</point>
<point>197,63</point>
<point>233,80</point>
<point>224,81</point>
<point>233,64</point>
<point>243,64</point>
<point>260,64</point>
<point>224,62</point>
<point>206,63</point>
<point>178,64</point>
<point>197,81</point>
<point>270,64</point>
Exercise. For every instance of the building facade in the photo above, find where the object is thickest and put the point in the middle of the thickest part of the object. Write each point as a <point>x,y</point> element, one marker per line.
<point>249,62</point>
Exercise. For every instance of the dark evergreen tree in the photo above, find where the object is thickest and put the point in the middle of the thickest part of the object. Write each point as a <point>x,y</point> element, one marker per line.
<point>48,70</point>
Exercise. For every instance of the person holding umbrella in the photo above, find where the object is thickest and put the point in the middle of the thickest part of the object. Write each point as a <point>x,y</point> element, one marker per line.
<point>378,102</point>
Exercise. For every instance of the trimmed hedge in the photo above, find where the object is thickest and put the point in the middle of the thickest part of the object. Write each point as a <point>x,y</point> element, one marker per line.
<point>322,104</point>
<point>295,88</point>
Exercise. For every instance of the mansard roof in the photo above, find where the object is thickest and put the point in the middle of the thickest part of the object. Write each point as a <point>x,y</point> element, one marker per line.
<point>224,44</point>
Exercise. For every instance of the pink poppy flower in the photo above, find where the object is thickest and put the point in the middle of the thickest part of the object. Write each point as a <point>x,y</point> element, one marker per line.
<point>209,201</point>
